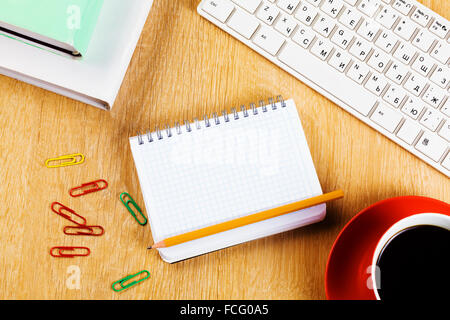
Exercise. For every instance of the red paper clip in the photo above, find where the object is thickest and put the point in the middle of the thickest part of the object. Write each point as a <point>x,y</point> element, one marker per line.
<point>88,231</point>
<point>93,187</point>
<point>66,216</point>
<point>60,253</point>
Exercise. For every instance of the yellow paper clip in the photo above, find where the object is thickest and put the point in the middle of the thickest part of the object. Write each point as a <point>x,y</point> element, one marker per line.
<point>74,159</point>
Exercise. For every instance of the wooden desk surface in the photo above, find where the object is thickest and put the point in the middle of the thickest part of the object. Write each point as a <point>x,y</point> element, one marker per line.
<point>183,66</point>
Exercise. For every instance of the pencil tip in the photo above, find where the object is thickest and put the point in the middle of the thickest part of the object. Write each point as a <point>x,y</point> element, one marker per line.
<point>158,245</point>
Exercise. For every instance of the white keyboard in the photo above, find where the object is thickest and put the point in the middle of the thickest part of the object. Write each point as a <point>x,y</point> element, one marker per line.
<point>384,61</point>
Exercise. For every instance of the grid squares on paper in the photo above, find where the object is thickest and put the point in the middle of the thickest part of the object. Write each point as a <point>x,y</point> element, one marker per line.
<point>225,171</point>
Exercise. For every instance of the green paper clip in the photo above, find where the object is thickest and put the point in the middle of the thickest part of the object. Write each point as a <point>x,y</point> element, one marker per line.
<point>131,276</point>
<point>135,205</point>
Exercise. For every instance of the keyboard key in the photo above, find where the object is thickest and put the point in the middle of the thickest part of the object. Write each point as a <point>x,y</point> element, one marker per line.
<point>403,6</point>
<point>441,52</point>
<point>378,60</point>
<point>423,40</point>
<point>387,17</point>
<point>405,28</point>
<point>369,7</point>
<point>358,72</point>
<point>405,53</point>
<point>360,49</point>
<point>386,41</point>
<point>268,40</point>
<point>444,132</point>
<point>321,48</point>
<point>350,18</point>
<point>394,96</point>
<point>314,2</point>
<point>339,60</point>
<point>249,5</point>
<point>433,96</point>
<point>288,5</point>
<point>446,162</point>
<point>423,64</point>
<point>368,29</point>
<point>286,25</point>
<point>397,72</point>
<point>421,16</point>
<point>441,76</point>
<point>376,84</point>
<point>431,119</point>
<point>303,36</point>
<point>446,108</point>
<point>342,37</point>
<point>294,56</point>
<point>268,13</point>
<point>351,2</point>
<point>306,13</point>
<point>408,131</point>
<point>243,23</point>
<point>440,27</point>
<point>386,117</point>
<point>332,7</point>
<point>219,9</point>
<point>415,84</point>
<point>413,107</point>
<point>324,25</point>
<point>432,146</point>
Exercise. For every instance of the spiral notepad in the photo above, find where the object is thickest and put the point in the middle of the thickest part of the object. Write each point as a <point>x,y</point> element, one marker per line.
<point>222,167</point>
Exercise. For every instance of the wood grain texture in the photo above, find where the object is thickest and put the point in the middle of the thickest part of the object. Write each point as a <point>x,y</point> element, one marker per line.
<point>183,66</point>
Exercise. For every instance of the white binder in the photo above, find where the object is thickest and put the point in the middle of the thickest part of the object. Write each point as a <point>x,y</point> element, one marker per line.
<point>94,79</point>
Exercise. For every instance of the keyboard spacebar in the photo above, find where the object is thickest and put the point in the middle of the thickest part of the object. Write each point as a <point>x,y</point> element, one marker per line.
<point>328,78</point>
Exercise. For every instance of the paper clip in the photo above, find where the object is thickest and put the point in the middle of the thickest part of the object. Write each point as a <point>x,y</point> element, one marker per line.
<point>66,216</point>
<point>126,286</point>
<point>93,186</point>
<point>60,251</point>
<point>74,159</point>
<point>84,231</point>
<point>126,204</point>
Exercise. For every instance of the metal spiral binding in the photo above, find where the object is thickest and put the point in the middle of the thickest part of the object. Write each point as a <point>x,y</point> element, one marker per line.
<point>226,116</point>
<point>213,120</point>
<point>178,128</point>
<point>216,118</point>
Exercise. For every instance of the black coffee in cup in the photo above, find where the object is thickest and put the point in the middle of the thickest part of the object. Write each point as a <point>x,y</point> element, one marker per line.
<point>415,264</point>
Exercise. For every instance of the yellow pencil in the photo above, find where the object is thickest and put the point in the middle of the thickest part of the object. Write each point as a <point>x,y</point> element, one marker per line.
<point>239,222</point>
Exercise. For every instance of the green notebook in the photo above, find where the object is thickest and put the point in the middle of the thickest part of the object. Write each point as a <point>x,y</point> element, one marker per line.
<point>65,25</point>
